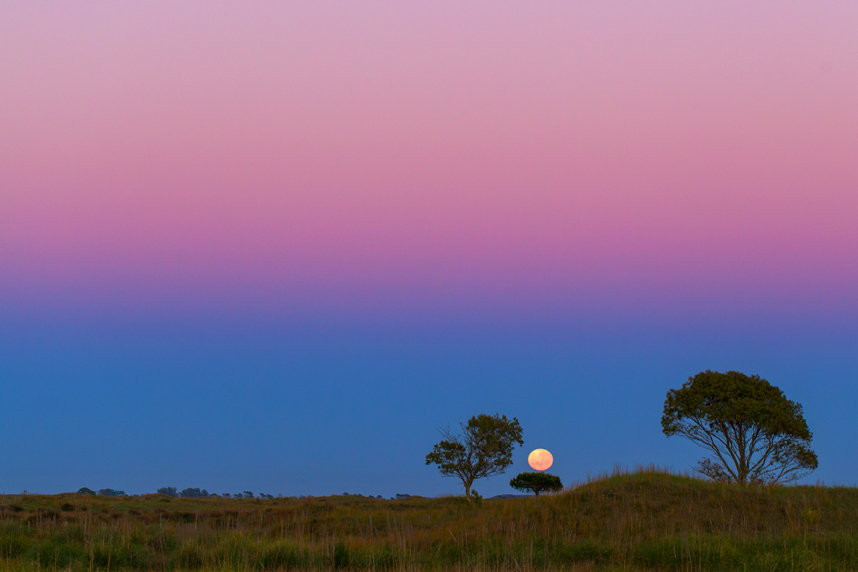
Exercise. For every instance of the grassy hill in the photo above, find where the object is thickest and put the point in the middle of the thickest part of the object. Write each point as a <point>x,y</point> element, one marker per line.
<point>641,521</point>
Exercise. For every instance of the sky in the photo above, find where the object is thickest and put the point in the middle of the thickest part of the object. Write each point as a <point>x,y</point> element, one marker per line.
<point>277,246</point>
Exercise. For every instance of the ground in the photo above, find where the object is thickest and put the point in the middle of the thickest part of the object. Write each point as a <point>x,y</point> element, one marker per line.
<point>642,521</point>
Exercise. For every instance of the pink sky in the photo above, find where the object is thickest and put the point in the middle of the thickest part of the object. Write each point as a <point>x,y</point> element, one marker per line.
<point>509,153</point>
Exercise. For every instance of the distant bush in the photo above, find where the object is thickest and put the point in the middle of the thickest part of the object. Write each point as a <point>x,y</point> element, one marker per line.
<point>85,491</point>
<point>169,491</point>
<point>111,493</point>
<point>536,482</point>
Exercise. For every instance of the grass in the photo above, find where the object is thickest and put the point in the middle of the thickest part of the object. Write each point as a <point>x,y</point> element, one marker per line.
<point>642,521</point>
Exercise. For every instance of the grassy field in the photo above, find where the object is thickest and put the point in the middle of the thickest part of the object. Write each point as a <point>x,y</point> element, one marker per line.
<point>641,521</point>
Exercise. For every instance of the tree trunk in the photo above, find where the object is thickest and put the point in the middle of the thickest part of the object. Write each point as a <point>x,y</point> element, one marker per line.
<point>468,491</point>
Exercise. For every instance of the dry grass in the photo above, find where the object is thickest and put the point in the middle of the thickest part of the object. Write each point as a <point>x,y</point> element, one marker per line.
<point>643,521</point>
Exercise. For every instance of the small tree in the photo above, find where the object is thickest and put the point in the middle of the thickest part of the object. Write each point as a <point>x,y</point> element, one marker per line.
<point>536,482</point>
<point>756,434</point>
<point>482,449</point>
<point>86,491</point>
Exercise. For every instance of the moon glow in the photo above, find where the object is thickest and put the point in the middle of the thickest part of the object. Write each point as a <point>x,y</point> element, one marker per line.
<point>540,459</point>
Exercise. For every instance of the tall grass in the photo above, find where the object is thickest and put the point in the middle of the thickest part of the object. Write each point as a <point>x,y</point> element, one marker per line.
<point>647,520</point>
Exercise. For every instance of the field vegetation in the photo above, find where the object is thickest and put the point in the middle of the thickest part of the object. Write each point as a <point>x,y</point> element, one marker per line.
<point>646,520</point>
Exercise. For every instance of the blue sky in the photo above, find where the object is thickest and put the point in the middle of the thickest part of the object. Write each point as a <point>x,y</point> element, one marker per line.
<point>320,406</point>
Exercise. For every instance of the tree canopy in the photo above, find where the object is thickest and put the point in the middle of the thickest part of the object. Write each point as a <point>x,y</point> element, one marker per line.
<point>755,433</point>
<point>536,482</point>
<point>483,448</point>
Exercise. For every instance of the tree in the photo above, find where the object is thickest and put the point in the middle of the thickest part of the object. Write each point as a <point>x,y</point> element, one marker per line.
<point>756,435</point>
<point>536,482</point>
<point>169,491</point>
<point>482,449</point>
<point>86,491</point>
<point>111,493</point>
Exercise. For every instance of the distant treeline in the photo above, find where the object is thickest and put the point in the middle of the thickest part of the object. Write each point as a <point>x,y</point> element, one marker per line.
<point>193,492</point>
<point>190,492</point>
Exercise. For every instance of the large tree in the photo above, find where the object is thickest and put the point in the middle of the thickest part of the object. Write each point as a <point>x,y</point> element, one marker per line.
<point>482,448</point>
<point>756,435</point>
<point>536,482</point>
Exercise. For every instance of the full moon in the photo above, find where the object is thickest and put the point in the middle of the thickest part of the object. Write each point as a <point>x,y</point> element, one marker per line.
<point>540,459</point>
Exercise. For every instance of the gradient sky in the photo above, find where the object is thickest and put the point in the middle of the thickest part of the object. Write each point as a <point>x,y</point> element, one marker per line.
<point>277,245</point>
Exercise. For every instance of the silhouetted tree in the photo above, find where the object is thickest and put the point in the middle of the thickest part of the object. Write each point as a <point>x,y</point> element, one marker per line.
<point>169,491</point>
<point>482,449</point>
<point>536,482</point>
<point>756,434</point>
<point>86,491</point>
<point>111,493</point>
